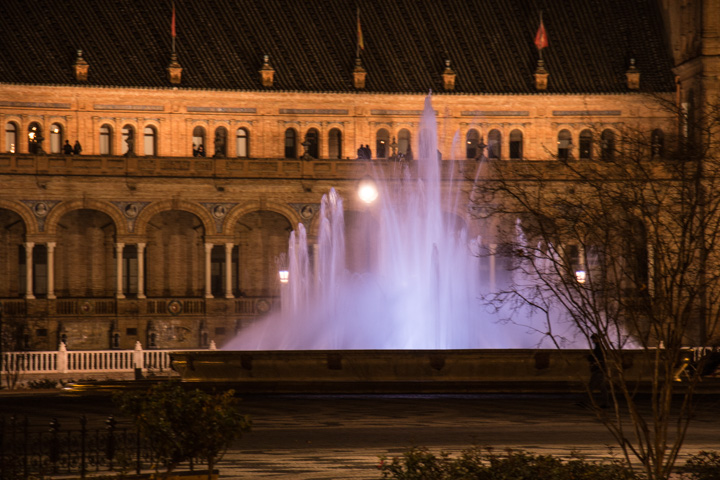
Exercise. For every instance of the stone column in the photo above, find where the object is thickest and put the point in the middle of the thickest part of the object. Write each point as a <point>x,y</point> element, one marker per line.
<point>228,270</point>
<point>141,270</point>
<point>29,270</point>
<point>51,270</point>
<point>208,259</point>
<point>119,270</point>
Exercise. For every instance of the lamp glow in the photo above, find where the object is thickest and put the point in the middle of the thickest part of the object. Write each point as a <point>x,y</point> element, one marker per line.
<point>284,276</point>
<point>367,191</point>
<point>580,276</point>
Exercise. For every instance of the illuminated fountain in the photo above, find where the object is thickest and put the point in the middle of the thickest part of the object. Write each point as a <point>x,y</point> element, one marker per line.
<point>417,321</point>
<point>425,291</point>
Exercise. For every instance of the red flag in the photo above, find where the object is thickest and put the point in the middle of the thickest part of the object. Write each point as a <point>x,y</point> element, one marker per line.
<point>541,40</point>
<point>173,21</point>
<point>360,42</point>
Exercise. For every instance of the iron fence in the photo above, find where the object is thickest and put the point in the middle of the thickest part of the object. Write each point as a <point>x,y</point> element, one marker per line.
<point>33,451</point>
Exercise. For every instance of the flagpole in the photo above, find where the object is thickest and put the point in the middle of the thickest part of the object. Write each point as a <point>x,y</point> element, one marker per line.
<point>173,27</point>
<point>540,50</point>
<point>357,48</point>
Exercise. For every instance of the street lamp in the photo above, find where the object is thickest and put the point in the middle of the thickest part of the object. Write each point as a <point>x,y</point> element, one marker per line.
<point>284,276</point>
<point>367,190</point>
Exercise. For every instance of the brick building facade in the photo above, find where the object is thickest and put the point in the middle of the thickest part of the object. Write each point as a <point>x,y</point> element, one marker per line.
<point>138,238</point>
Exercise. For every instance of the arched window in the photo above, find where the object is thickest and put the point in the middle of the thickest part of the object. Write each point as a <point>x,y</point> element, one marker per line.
<point>472,139</point>
<point>586,144</point>
<point>35,138</point>
<point>382,143</point>
<point>149,141</point>
<point>11,130</point>
<point>564,144</point>
<point>312,137</point>
<point>128,140</point>
<point>56,138</point>
<point>657,143</point>
<point>494,144</point>
<point>516,145</point>
<point>198,140</point>
<point>607,145</point>
<point>106,140</point>
<point>220,142</point>
<point>404,144</point>
<point>242,143</point>
<point>335,143</point>
<point>290,143</point>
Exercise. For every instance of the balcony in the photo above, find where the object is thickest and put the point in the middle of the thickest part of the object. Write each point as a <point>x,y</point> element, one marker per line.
<point>248,307</point>
<point>195,167</point>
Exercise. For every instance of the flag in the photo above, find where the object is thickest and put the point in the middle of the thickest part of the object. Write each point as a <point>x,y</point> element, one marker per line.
<point>360,42</point>
<point>541,40</point>
<point>172,25</point>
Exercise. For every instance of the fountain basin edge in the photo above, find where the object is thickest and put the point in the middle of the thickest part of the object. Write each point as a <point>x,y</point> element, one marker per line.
<point>392,371</point>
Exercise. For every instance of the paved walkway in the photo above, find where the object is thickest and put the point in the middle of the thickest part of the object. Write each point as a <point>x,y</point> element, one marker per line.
<point>316,437</point>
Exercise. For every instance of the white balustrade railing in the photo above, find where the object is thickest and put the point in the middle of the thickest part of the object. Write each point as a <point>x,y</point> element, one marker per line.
<point>98,361</point>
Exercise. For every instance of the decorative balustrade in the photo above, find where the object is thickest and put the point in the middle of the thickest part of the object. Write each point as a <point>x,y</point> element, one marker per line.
<point>216,167</point>
<point>87,361</point>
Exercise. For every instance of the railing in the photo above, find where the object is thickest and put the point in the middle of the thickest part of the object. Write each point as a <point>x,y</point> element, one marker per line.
<point>36,451</point>
<point>86,361</point>
<point>216,167</point>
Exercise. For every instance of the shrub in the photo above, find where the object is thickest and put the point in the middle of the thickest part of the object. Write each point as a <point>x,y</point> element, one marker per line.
<point>45,383</point>
<point>703,466</point>
<point>179,425</point>
<point>476,464</point>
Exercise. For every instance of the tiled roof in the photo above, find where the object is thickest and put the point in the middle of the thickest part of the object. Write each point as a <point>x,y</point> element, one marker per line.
<point>220,43</point>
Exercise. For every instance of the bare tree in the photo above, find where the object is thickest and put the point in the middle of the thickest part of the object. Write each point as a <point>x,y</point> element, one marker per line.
<point>624,248</point>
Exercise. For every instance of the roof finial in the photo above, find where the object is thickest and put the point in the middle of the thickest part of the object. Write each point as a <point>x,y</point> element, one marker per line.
<point>81,67</point>
<point>633,76</point>
<point>267,72</point>
<point>448,76</point>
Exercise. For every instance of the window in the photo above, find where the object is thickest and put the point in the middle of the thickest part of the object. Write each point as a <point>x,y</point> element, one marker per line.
<point>149,141</point>
<point>56,138</point>
<point>607,145</point>
<point>11,137</point>
<point>290,143</point>
<point>198,140</point>
<point>494,144</point>
<point>220,142</point>
<point>106,140</point>
<point>312,137</point>
<point>382,142</point>
<point>404,143</point>
<point>516,145</point>
<point>35,138</point>
<point>657,143</point>
<point>242,144</point>
<point>472,139</point>
<point>217,270</point>
<point>130,270</point>
<point>128,138</point>
<point>564,144</point>
<point>586,145</point>
<point>335,143</point>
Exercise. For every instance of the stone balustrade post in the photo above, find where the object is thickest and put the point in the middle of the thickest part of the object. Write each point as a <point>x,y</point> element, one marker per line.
<point>138,361</point>
<point>62,359</point>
